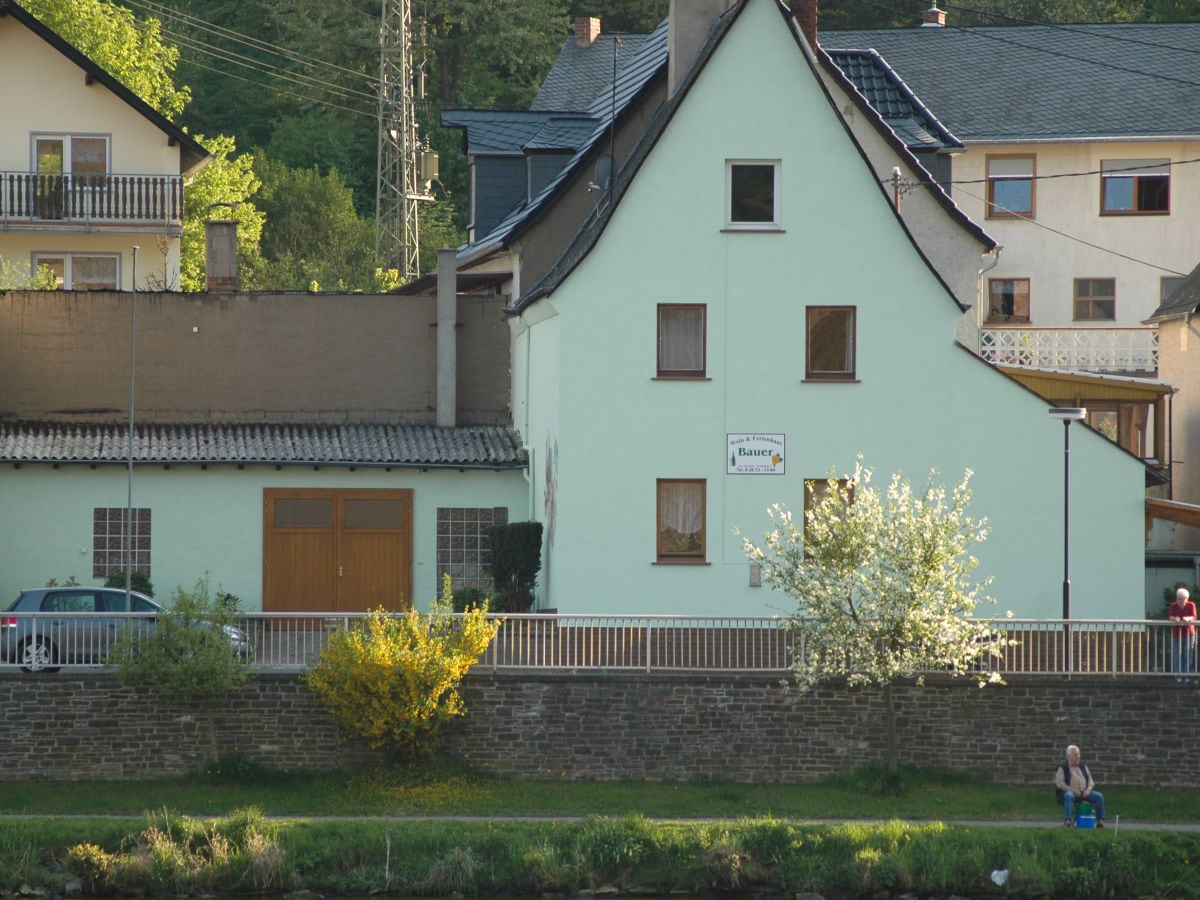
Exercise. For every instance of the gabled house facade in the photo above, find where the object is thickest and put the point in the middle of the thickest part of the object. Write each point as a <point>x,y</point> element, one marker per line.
<point>730,328</point>
<point>88,171</point>
<point>1079,157</point>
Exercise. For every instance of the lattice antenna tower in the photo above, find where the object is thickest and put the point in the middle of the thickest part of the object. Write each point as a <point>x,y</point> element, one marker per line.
<point>406,168</point>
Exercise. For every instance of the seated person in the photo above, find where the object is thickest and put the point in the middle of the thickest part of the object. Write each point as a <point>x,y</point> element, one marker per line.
<point>1074,783</point>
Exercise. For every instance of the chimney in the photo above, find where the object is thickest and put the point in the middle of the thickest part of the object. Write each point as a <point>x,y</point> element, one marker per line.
<point>447,355</point>
<point>220,255</point>
<point>688,27</point>
<point>587,29</point>
<point>805,14</point>
<point>933,17</point>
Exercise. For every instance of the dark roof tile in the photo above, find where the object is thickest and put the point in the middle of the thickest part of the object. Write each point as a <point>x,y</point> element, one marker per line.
<point>426,446</point>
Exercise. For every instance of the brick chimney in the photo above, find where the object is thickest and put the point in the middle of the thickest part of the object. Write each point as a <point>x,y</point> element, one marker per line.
<point>933,17</point>
<point>805,14</point>
<point>689,24</point>
<point>587,29</point>
<point>220,255</point>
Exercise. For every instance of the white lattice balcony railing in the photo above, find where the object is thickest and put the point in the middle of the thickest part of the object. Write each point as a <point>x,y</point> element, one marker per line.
<point>1087,349</point>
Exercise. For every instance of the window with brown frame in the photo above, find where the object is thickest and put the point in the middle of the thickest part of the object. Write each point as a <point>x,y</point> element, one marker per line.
<point>1008,300</point>
<point>829,343</point>
<point>681,340</point>
<point>1095,299</point>
<point>680,520</point>
<point>1131,187</point>
<point>1010,186</point>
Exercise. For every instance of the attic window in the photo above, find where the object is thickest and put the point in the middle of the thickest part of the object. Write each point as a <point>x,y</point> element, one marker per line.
<point>752,194</point>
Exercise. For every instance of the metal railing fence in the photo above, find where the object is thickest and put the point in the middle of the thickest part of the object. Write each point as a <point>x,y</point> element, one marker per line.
<point>566,643</point>
<point>44,198</point>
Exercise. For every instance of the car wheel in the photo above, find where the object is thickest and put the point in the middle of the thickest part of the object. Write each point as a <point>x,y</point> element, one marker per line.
<point>37,655</point>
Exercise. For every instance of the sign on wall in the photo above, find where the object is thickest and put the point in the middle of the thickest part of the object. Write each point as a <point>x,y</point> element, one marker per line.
<point>754,454</point>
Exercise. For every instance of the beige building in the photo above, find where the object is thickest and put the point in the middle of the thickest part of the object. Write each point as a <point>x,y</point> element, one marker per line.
<point>89,171</point>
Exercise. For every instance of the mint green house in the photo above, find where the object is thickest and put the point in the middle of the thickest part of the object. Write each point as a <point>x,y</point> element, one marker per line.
<point>746,310</point>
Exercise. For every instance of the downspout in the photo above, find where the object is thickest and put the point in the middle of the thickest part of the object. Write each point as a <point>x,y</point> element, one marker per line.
<point>1187,320</point>
<point>447,352</point>
<point>528,447</point>
<point>979,317</point>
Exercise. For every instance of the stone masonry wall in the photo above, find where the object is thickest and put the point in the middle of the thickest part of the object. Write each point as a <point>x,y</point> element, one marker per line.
<point>596,726</point>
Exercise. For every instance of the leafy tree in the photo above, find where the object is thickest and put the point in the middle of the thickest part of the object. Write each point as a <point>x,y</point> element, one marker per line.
<point>221,191</point>
<point>628,16</point>
<point>16,276</point>
<point>133,51</point>
<point>312,232</point>
<point>881,584</point>
<point>393,679</point>
<point>492,55</point>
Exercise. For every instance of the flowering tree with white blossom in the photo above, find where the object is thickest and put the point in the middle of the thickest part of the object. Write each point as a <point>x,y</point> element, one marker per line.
<point>882,584</point>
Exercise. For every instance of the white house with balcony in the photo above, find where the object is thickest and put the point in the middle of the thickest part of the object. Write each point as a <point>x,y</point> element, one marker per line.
<point>88,170</point>
<point>1081,156</point>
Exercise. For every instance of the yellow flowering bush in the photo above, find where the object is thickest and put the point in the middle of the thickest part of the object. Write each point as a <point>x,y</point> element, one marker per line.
<point>393,679</point>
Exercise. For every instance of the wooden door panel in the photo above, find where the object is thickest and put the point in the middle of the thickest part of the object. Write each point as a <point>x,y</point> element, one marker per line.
<point>299,575</point>
<point>336,550</point>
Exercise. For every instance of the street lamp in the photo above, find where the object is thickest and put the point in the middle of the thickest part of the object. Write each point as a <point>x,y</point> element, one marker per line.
<point>1067,415</point>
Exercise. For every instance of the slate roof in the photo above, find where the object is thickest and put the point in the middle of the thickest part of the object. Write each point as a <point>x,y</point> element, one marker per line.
<point>649,62</point>
<point>490,132</point>
<point>192,156</point>
<point>1047,82</point>
<point>366,445</point>
<point>895,102</point>
<point>1182,301</point>
<point>580,73</point>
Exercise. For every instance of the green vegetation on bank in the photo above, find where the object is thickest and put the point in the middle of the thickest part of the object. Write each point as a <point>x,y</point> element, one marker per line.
<point>239,828</point>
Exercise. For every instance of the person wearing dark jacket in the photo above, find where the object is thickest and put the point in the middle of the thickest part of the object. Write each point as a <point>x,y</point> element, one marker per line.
<point>1074,784</point>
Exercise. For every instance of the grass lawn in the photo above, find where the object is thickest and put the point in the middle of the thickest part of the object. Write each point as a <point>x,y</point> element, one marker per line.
<point>443,789</point>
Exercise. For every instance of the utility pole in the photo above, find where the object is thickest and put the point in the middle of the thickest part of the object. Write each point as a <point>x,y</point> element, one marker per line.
<point>405,167</point>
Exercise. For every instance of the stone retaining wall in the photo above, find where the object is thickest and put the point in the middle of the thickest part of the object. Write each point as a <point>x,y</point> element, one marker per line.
<point>581,726</point>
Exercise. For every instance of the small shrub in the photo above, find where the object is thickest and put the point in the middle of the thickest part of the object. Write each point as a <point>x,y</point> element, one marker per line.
<point>72,581</point>
<point>93,867</point>
<point>189,653</point>
<point>138,581</point>
<point>454,873</point>
<point>393,679</point>
<point>468,598</point>
<point>516,551</point>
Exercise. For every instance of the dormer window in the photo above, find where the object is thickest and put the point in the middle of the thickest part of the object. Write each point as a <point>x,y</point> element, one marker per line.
<point>752,195</point>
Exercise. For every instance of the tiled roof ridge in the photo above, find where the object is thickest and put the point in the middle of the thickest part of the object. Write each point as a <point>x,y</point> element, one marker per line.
<point>284,443</point>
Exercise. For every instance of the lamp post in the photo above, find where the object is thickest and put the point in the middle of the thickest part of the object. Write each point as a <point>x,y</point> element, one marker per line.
<point>1067,415</point>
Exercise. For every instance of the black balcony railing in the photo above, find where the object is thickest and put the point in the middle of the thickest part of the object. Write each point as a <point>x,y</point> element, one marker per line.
<point>90,198</point>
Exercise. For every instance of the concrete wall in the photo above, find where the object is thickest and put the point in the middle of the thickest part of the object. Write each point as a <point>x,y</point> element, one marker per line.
<point>1133,731</point>
<point>261,357</point>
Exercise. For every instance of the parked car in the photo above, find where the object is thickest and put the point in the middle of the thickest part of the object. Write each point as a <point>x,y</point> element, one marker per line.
<point>45,628</point>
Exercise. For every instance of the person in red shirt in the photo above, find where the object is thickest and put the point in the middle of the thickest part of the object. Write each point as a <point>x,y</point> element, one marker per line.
<point>1183,635</point>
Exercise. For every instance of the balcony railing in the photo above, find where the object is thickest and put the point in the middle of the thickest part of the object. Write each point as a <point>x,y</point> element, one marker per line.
<point>643,644</point>
<point>1086,349</point>
<point>90,199</point>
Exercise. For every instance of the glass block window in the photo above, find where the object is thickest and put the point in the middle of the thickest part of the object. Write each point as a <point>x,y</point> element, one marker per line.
<point>464,544</point>
<point>108,540</point>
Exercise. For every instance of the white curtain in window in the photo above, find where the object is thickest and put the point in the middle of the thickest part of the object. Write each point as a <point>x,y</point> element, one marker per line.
<point>681,507</point>
<point>681,339</point>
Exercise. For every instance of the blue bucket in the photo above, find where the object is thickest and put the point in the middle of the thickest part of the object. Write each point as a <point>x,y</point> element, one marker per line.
<point>1085,821</point>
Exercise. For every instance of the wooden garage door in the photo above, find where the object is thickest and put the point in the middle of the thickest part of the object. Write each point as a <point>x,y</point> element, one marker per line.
<point>336,551</point>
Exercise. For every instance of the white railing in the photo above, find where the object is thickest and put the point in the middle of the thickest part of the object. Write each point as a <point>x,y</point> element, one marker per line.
<point>573,643</point>
<point>1086,349</point>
